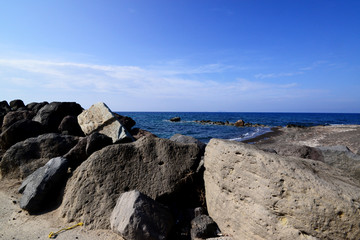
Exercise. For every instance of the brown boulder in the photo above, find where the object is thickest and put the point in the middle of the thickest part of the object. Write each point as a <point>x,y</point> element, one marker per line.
<point>157,167</point>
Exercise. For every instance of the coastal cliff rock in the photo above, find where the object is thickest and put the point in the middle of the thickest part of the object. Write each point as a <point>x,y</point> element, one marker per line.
<point>252,194</point>
<point>99,118</point>
<point>138,217</point>
<point>23,158</point>
<point>156,167</point>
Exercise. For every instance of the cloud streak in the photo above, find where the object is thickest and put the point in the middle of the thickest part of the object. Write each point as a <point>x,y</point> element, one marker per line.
<point>160,84</point>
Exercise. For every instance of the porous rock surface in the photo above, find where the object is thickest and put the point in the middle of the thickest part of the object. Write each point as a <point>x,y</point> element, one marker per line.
<point>23,158</point>
<point>43,186</point>
<point>99,118</point>
<point>252,194</point>
<point>154,166</point>
<point>138,217</point>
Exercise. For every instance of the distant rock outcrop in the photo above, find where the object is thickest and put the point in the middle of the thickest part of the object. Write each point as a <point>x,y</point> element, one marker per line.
<point>252,194</point>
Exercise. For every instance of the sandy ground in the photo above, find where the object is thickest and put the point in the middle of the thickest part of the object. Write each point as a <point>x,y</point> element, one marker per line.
<point>17,224</point>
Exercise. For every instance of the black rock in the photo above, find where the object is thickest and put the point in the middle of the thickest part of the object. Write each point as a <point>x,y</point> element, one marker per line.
<point>35,107</point>
<point>14,116</point>
<point>20,131</point>
<point>175,119</point>
<point>52,114</point>
<point>70,126</point>
<point>127,122</point>
<point>203,227</point>
<point>16,104</point>
<point>23,158</point>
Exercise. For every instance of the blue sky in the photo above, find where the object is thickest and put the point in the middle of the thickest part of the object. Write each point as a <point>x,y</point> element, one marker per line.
<point>173,55</point>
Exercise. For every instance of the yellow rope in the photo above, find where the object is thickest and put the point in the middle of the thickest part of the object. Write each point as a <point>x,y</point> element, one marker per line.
<point>53,235</point>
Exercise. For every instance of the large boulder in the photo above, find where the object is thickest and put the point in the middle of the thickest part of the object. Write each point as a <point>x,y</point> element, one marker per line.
<point>138,217</point>
<point>52,114</point>
<point>138,133</point>
<point>16,104</point>
<point>156,167</point>
<point>99,118</point>
<point>70,126</point>
<point>20,131</point>
<point>4,109</point>
<point>23,158</point>
<point>188,139</point>
<point>252,194</point>
<point>35,106</point>
<point>14,116</point>
<point>85,147</point>
<point>42,187</point>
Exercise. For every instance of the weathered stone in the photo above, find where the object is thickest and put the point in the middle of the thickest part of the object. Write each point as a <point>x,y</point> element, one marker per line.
<point>341,157</point>
<point>23,158</point>
<point>52,114</point>
<point>175,119</point>
<point>14,116</point>
<point>300,151</point>
<point>188,139</point>
<point>203,227</point>
<point>43,187</point>
<point>20,131</point>
<point>70,126</point>
<point>139,133</point>
<point>4,106</point>
<point>138,217</point>
<point>239,123</point>
<point>99,118</point>
<point>16,104</point>
<point>77,154</point>
<point>96,141</point>
<point>156,167</point>
<point>252,194</point>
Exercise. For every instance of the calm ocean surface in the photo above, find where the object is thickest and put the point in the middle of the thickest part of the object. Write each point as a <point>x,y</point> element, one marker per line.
<point>159,124</point>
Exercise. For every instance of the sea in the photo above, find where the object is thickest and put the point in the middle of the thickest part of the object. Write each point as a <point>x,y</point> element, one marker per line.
<point>159,123</point>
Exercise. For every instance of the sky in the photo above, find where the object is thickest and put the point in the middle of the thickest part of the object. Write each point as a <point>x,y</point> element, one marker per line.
<point>183,55</point>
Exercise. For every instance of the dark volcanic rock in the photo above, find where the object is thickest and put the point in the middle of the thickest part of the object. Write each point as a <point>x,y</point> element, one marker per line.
<point>20,131</point>
<point>138,133</point>
<point>138,217</point>
<point>70,126</point>
<point>77,154</point>
<point>175,119</point>
<point>157,167</point>
<point>44,185</point>
<point>35,107</point>
<point>16,104</point>
<point>23,158</point>
<point>4,106</point>
<point>127,122</point>
<point>14,116</point>
<point>239,123</point>
<point>203,227</point>
<point>52,114</point>
<point>97,141</point>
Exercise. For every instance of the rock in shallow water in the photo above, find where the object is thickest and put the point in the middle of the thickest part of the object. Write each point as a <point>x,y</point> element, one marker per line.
<point>252,194</point>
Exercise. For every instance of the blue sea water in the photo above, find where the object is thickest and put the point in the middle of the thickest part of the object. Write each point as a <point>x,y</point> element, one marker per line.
<point>159,124</point>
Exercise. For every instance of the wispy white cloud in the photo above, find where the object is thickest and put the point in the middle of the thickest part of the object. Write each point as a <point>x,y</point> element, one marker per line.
<point>135,83</point>
<point>277,75</point>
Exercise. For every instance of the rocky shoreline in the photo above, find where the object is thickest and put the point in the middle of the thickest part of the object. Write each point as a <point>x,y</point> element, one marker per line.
<point>61,163</point>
